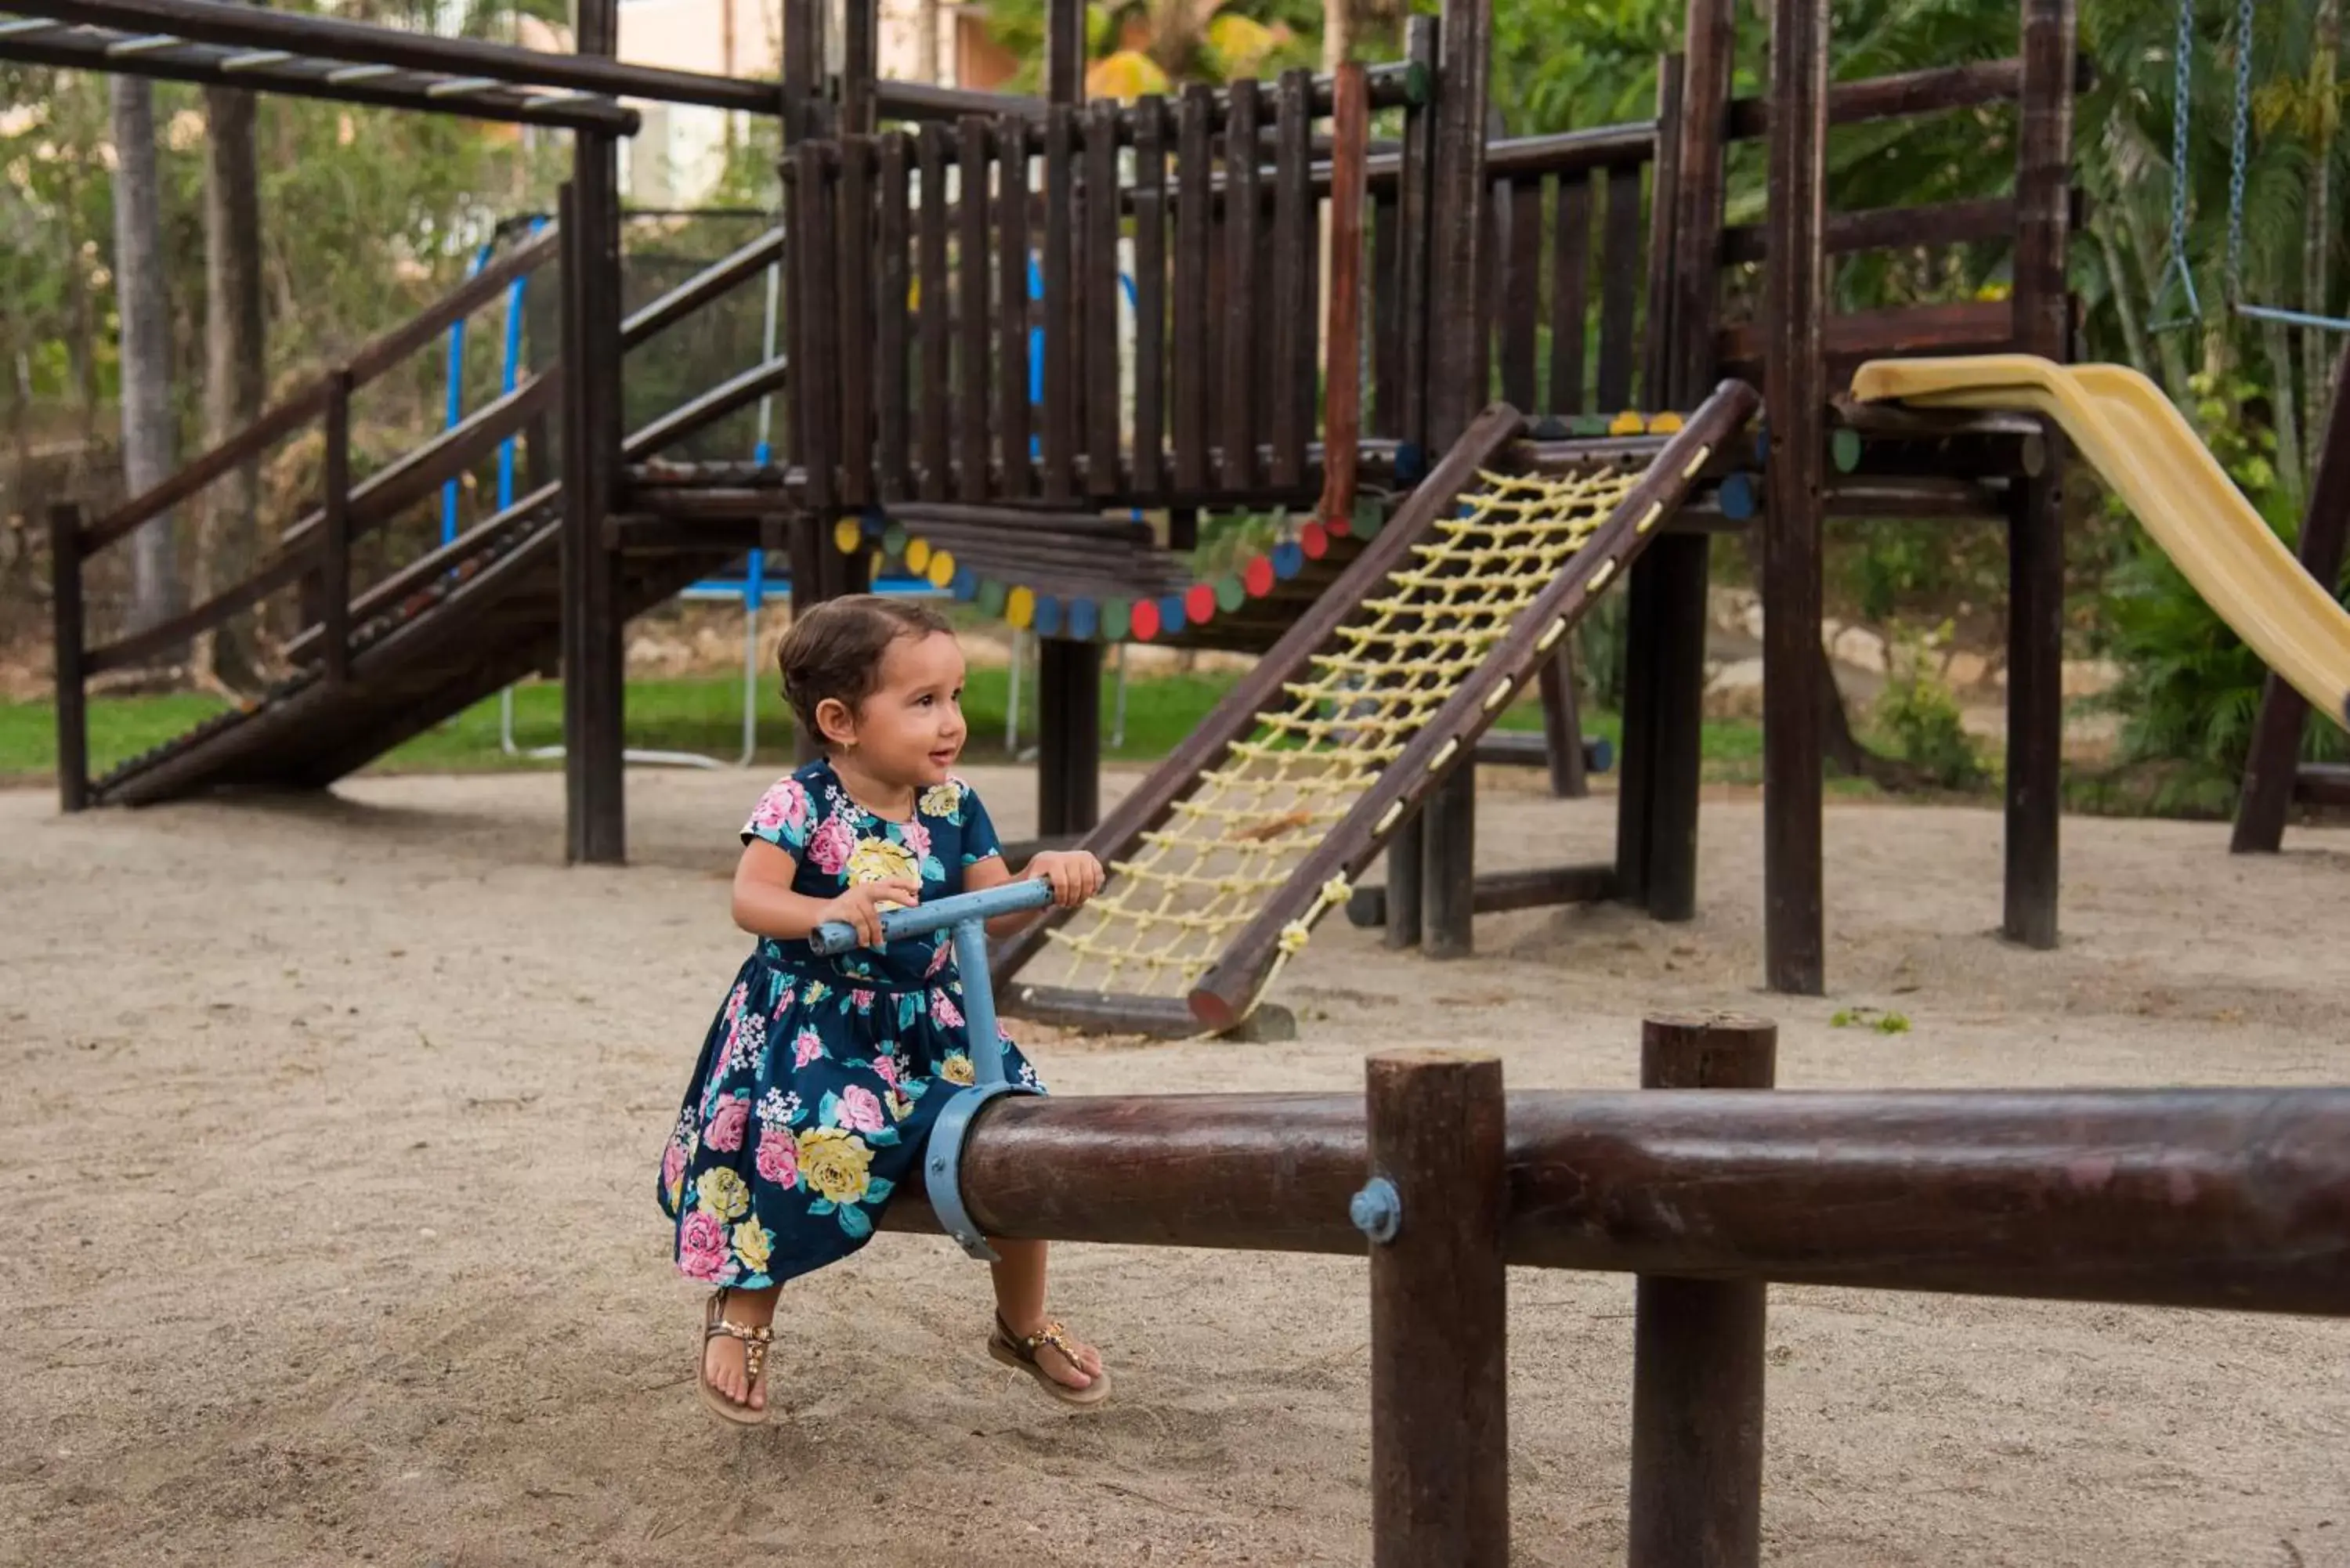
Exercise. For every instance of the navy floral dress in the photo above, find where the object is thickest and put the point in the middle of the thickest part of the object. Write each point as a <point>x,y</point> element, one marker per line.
<point>820,1076</point>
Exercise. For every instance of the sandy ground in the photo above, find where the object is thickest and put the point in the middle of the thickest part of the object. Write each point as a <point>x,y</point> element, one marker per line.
<point>332,1149</point>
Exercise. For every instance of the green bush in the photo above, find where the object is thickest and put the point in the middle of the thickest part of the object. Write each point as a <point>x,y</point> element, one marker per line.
<point>1920,717</point>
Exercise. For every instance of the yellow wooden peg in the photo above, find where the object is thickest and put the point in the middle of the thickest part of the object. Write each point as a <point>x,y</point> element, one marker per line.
<point>846,535</point>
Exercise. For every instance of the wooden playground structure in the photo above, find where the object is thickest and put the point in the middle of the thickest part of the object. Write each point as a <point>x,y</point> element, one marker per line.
<point>1589,278</point>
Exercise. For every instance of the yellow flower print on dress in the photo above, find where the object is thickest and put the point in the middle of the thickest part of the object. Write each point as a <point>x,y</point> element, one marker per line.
<point>833,1162</point>
<point>879,861</point>
<point>723,1192</point>
<point>956,1069</point>
<point>752,1244</point>
<point>942,800</point>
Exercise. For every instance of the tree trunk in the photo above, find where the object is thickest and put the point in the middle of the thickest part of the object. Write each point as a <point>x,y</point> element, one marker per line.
<point>2117,279</point>
<point>926,41</point>
<point>1337,33</point>
<point>234,368</point>
<point>2316,361</point>
<point>146,347</point>
<point>2284,417</point>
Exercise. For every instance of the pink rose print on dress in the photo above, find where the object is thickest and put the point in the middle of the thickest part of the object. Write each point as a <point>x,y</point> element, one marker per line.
<point>886,1068</point>
<point>938,958</point>
<point>861,1000</point>
<point>861,1109</point>
<point>943,1012</point>
<point>918,839</point>
<point>806,1048</point>
<point>834,843</point>
<point>785,806</point>
<point>725,1132</point>
<point>673,1165</point>
<point>779,1158</point>
<point>702,1246</point>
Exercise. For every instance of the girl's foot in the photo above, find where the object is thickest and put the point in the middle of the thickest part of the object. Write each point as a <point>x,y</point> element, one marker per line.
<point>735,1338</point>
<point>1067,1368</point>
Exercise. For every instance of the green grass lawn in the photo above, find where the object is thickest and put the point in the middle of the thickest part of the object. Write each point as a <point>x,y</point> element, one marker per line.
<point>705,715</point>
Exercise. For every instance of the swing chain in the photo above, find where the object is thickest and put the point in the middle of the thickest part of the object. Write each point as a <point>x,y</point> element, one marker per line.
<point>2314,317</point>
<point>2183,58</point>
<point>2237,158</point>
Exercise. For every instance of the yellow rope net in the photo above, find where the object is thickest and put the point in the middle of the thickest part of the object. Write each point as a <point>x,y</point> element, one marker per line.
<point>1172,907</point>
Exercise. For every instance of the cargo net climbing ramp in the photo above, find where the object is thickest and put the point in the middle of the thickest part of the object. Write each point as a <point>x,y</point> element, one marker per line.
<point>1180,893</point>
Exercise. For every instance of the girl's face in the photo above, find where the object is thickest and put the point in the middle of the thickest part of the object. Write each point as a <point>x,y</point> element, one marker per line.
<point>910,729</point>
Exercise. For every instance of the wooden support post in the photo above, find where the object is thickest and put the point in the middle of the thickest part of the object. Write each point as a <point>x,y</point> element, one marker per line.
<point>67,632</point>
<point>1150,135</point>
<point>593,689</point>
<point>859,25</point>
<point>1414,202</point>
<point>1068,746</point>
<point>2275,756</point>
<point>1061,387</point>
<point>1563,727</point>
<point>1677,377</point>
<point>1064,53</point>
<point>334,533</point>
<point>1012,396</point>
<point>1456,365</point>
<point>935,462</point>
<point>972,482</point>
<point>1240,318</point>
<point>1795,392</point>
<point>891,354</point>
<point>1440,1315</point>
<point>2036,535</point>
<point>1678,565</point>
<point>1697,1367</point>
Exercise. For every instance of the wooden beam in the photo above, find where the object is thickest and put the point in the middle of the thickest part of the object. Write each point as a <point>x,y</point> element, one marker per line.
<point>1930,91</point>
<point>1795,304</point>
<point>2035,534</point>
<point>66,631</point>
<point>1436,1138</point>
<point>2270,767</point>
<point>1539,887</point>
<point>1741,1185</point>
<point>1698,1344</point>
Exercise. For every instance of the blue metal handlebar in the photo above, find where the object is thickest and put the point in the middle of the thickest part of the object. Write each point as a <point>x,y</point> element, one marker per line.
<point>835,936</point>
<point>967,915</point>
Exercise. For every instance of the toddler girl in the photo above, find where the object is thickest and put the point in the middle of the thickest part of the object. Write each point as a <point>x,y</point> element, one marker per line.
<point>820,1077</point>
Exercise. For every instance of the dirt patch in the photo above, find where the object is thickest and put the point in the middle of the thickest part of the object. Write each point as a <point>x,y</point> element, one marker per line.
<point>330,1135</point>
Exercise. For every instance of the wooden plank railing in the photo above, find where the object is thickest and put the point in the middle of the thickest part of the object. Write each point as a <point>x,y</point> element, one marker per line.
<point>370,360</point>
<point>1216,390</point>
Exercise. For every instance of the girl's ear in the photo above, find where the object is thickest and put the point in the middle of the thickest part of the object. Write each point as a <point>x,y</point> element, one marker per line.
<point>835,722</point>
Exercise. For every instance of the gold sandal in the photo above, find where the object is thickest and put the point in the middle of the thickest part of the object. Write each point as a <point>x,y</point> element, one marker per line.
<point>755,1342</point>
<point>1019,1351</point>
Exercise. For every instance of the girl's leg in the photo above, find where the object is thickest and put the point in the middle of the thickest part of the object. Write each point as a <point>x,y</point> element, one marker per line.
<point>723,1358</point>
<point>1020,1302</point>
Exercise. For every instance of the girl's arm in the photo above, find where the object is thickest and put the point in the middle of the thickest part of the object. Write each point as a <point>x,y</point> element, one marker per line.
<point>1076,876</point>
<point>766,905</point>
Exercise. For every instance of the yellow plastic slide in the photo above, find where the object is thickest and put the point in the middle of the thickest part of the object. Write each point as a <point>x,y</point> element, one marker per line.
<point>2147,451</point>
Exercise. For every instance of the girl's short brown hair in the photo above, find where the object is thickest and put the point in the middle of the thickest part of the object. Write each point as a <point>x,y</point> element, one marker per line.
<point>833,652</point>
